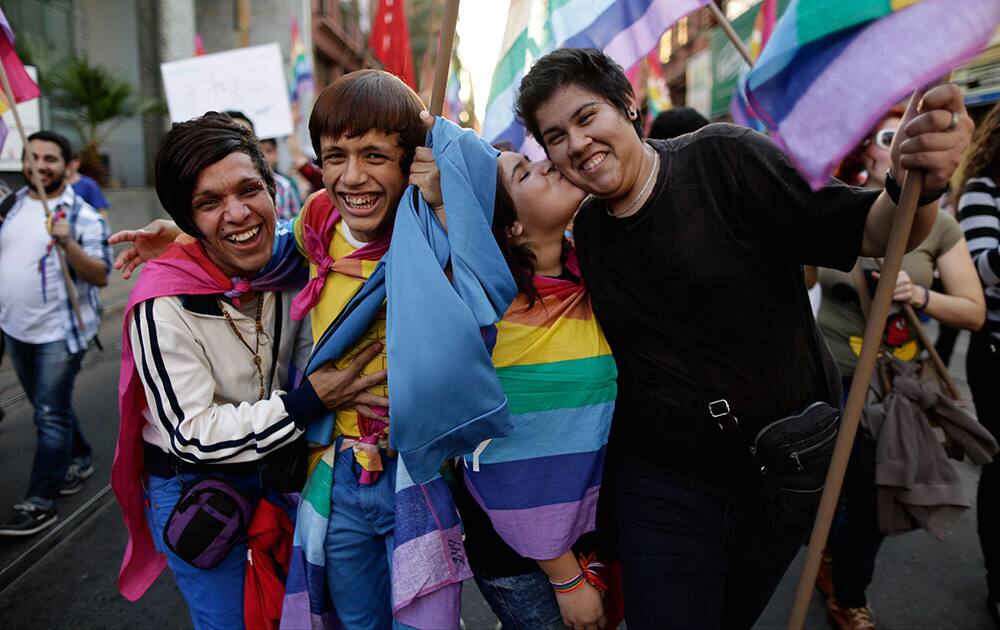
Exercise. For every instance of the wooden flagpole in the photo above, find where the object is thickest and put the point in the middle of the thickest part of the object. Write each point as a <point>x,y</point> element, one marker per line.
<point>898,237</point>
<point>723,21</point>
<point>37,183</point>
<point>443,61</point>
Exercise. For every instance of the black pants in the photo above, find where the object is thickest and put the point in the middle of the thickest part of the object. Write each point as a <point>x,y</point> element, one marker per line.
<point>983,368</point>
<point>690,560</point>
<point>854,538</point>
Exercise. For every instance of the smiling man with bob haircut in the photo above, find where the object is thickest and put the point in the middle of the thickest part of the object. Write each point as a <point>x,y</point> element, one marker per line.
<point>211,366</point>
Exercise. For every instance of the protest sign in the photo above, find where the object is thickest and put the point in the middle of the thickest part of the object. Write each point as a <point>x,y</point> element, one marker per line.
<point>250,80</point>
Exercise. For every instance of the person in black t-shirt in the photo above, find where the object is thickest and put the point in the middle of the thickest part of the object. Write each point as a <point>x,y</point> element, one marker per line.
<point>693,250</point>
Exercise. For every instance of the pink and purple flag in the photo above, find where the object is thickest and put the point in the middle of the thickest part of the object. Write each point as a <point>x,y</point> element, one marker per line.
<point>21,85</point>
<point>831,69</point>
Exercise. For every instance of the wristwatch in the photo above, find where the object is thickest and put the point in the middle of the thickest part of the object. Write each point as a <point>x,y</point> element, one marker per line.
<point>894,191</point>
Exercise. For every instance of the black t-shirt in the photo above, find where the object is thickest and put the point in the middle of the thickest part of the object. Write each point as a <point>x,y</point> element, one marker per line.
<point>701,297</point>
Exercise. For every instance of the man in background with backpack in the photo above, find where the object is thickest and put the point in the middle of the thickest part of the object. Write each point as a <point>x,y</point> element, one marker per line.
<point>44,339</point>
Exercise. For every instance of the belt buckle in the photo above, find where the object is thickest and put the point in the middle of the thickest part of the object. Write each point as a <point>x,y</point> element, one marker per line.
<point>720,410</point>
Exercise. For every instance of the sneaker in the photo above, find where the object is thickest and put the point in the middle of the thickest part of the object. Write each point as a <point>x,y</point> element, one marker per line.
<point>75,476</point>
<point>844,618</point>
<point>824,577</point>
<point>82,471</point>
<point>27,519</point>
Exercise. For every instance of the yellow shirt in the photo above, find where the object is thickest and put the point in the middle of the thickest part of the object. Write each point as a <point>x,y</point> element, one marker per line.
<point>336,294</point>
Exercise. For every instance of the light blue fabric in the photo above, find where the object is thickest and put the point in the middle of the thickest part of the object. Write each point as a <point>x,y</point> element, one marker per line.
<point>444,395</point>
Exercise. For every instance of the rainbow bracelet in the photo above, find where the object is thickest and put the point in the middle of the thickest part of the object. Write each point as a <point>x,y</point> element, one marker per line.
<point>562,588</point>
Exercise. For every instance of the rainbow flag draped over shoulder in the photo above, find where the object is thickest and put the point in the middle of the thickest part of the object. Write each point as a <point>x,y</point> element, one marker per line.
<point>831,69</point>
<point>624,29</point>
<point>539,485</point>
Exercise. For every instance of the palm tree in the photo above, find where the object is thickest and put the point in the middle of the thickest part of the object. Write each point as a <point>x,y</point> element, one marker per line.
<point>97,101</point>
<point>101,102</point>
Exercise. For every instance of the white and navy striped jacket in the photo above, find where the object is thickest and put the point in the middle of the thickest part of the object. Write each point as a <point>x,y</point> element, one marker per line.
<point>979,216</point>
<point>201,384</point>
<point>90,230</point>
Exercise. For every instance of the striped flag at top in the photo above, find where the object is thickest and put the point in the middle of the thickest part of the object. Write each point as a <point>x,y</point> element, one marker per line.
<point>21,85</point>
<point>624,29</point>
<point>831,69</point>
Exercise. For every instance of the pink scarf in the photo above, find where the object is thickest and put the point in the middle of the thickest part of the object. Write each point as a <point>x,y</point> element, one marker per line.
<point>184,269</point>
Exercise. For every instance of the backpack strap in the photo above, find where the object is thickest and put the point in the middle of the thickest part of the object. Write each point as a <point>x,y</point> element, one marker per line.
<point>7,204</point>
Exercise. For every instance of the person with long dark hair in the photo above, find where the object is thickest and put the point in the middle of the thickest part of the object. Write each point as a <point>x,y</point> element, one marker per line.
<point>529,543</point>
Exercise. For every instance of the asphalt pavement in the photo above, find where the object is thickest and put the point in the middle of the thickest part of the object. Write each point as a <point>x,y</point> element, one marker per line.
<point>69,579</point>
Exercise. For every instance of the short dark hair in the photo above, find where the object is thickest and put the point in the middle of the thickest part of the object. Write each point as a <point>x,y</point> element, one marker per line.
<point>191,147</point>
<point>236,114</point>
<point>56,138</point>
<point>369,100</point>
<point>588,68</point>
<point>676,121</point>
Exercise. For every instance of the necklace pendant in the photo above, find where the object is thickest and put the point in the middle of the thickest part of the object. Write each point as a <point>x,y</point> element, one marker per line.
<point>256,359</point>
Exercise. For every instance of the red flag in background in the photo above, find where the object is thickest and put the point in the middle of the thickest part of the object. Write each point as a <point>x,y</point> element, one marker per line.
<point>390,40</point>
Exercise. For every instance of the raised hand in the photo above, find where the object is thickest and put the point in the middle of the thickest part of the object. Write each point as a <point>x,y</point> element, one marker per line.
<point>932,137</point>
<point>147,243</point>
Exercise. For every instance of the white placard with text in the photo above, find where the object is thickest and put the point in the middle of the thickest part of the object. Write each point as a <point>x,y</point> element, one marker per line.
<point>250,80</point>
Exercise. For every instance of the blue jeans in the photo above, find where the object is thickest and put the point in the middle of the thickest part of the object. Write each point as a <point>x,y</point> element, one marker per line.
<point>691,559</point>
<point>47,373</point>
<point>359,543</point>
<point>214,596</point>
<point>521,602</point>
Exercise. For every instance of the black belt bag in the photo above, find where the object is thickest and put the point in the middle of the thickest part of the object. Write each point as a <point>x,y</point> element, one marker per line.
<point>788,460</point>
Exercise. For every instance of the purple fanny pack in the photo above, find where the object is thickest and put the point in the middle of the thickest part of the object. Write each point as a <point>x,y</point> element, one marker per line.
<point>210,518</point>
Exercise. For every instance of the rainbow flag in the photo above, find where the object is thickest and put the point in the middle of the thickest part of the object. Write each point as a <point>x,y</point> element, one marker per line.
<point>21,85</point>
<point>624,29</point>
<point>302,78</point>
<point>831,69</point>
<point>657,92</point>
<point>560,379</point>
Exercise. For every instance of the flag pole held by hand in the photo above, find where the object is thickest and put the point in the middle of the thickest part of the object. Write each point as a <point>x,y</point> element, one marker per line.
<point>443,61</point>
<point>898,237</point>
<point>727,28</point>
<point>37,183</point>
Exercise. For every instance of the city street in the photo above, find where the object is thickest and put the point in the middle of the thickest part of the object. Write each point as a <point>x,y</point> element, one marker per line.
<point>919,583</point>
